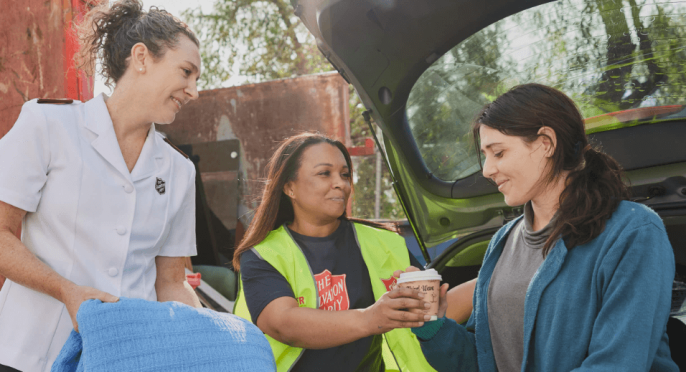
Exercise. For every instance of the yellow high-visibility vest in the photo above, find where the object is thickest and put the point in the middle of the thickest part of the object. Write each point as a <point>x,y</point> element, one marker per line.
<point>383,252</point>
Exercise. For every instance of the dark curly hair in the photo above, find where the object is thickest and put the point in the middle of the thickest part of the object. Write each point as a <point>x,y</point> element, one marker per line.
<point>595,183</point>
<point>109,32</point>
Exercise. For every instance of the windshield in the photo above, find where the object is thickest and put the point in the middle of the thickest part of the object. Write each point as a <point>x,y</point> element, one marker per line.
<point>623,63</point>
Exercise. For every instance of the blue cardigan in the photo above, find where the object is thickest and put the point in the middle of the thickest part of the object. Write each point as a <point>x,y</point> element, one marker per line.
<point>602,306</point>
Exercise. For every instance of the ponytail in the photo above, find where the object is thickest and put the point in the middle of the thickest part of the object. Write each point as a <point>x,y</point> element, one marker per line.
<point>592,194</point>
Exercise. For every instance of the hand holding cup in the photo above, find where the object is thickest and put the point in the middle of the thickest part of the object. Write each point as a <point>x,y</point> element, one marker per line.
<point>428,283</point>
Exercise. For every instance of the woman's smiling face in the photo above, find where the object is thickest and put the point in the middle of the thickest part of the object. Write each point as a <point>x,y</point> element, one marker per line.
<point>323,183</point>
<point>517,167</point>
<point>171,82</point>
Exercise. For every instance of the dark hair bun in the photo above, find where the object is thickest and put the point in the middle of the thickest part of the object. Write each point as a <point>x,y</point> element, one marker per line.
<point>109,32</point>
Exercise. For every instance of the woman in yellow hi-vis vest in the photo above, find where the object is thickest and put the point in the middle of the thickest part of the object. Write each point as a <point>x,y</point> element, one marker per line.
<point>316,282</point>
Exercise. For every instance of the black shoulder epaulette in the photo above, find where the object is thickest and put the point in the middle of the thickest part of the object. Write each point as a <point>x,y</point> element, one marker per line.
<point>56,101</point>
<point>175,148</point>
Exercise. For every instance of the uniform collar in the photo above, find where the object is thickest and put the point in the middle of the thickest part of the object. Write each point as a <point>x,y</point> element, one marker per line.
<point>99,121</point>
<point>151,157</point>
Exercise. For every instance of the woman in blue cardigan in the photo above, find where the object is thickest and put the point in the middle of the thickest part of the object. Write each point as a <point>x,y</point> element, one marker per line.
<point>582,281</point>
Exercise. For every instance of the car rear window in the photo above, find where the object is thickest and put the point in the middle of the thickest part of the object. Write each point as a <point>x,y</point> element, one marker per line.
<point>623,63</point>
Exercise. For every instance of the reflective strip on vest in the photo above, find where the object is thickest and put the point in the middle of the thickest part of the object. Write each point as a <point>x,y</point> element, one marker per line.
<point>383,252</point>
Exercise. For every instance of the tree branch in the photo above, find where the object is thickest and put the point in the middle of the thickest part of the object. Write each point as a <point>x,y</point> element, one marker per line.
<point>290,31</point>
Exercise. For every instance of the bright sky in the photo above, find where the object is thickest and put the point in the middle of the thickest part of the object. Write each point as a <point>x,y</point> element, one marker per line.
<point>174,7</point>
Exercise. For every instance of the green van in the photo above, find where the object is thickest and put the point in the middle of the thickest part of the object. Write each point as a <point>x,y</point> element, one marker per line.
<point>425,68</point>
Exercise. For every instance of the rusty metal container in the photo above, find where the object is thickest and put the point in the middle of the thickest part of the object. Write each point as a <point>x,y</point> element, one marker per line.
<point>259,116</point>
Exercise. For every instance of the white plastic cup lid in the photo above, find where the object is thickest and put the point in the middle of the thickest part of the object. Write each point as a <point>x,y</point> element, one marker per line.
<point>429,274</point>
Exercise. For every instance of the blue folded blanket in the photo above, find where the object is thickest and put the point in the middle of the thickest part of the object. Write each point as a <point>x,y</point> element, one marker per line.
<point>139,335</point>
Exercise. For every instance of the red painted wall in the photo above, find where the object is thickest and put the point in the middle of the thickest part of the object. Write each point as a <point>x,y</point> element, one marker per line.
<point>37,46</point>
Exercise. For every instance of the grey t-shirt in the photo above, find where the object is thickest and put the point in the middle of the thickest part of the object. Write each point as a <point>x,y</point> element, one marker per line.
<point>521,258</point>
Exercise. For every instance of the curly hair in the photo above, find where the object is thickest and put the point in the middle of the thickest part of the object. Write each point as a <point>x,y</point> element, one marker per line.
<point>109,32</point>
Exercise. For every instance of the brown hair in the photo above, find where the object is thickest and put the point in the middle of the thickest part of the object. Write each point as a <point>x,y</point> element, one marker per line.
<point>275,208</point>
<point>109,32</point>
<point>594,185</point>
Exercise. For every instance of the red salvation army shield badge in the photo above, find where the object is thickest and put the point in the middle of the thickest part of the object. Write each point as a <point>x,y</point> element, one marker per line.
<point>390,283</point>
<point>333,291</point>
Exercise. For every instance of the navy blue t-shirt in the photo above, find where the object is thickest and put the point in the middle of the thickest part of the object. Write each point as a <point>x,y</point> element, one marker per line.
<point>343,283</point>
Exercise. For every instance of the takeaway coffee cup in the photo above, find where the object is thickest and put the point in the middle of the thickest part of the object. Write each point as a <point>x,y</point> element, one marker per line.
<point>428,282</point>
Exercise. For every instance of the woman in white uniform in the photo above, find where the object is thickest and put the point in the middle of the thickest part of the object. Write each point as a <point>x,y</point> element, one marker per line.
<point>107,208</point>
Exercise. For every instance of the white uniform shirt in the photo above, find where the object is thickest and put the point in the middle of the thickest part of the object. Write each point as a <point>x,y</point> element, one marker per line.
<point>88,218</point>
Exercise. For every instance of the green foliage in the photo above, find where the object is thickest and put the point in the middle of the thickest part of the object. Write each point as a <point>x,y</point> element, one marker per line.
<point>363,199</point>
<point>259,39</point>
<point>365,171</point>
